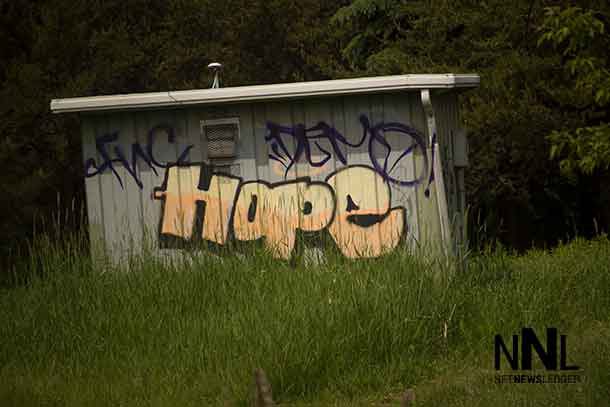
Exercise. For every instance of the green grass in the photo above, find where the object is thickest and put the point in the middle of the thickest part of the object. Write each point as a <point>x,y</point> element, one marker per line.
<point>337,333</point>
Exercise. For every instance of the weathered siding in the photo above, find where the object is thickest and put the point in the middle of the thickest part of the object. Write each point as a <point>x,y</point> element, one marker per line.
<point>449,125</point>
<point>133,199</point>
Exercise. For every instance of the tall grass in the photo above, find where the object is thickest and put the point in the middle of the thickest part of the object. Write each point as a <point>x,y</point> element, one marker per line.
<point>191,332</point>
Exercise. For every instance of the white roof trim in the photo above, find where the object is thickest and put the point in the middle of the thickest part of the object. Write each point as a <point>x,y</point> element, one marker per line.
<point>264,92</point>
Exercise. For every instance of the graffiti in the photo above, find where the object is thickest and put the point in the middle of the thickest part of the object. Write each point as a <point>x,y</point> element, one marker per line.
<point>362,224</point>
<point>365,225</point>
<point>305,137</point>
<point>145,153</point>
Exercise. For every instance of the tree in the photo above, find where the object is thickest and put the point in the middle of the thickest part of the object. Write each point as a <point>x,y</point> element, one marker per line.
<point>582,38</point>
<point>524,96</point>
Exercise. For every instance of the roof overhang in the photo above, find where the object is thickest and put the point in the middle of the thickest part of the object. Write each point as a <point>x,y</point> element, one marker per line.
<point>378,84</point>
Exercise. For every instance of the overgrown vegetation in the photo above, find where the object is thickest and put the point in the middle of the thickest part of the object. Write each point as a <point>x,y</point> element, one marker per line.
<point>340,332</point>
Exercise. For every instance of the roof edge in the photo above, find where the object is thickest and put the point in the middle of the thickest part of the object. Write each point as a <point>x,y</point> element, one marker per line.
<point>235,94</point>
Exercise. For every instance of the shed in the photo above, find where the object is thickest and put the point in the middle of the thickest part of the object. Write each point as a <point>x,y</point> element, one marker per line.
<point>367,163</point>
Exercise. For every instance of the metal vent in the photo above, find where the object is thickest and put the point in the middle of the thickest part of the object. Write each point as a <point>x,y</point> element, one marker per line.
<point>221,136</point>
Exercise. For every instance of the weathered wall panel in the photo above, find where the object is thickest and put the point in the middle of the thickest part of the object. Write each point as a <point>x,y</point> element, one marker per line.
<point>357,168</point>
<point>93,193</point>
<point>446,108</point>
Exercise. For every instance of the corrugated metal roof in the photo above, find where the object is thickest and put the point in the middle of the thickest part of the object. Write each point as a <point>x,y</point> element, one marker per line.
<point>264,92</point>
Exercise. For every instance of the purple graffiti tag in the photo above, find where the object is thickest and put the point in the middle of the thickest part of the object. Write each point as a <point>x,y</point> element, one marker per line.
<point>102,145</point>
<point>304,137</point>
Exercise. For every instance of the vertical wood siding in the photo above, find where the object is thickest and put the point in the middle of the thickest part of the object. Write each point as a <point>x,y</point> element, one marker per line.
<point>126,202</point>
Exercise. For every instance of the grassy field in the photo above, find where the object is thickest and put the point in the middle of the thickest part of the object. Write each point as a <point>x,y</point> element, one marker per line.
<point>336,333</point>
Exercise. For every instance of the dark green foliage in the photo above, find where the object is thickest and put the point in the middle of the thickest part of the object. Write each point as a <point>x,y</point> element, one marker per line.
<point>528,91</point>
<point>543,89</point>
<point>581,36</point>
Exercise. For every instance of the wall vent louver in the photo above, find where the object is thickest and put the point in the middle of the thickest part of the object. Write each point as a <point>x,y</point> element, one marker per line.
<point>221,136</point>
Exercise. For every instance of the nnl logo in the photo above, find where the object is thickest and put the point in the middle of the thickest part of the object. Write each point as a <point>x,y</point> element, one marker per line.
<point>530,341</point>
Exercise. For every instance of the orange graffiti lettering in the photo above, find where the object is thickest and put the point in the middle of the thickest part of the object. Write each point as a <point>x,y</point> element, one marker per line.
<point>353,205</point>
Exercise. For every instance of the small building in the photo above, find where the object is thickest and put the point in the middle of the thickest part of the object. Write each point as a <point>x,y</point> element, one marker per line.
<point>367,162</point>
